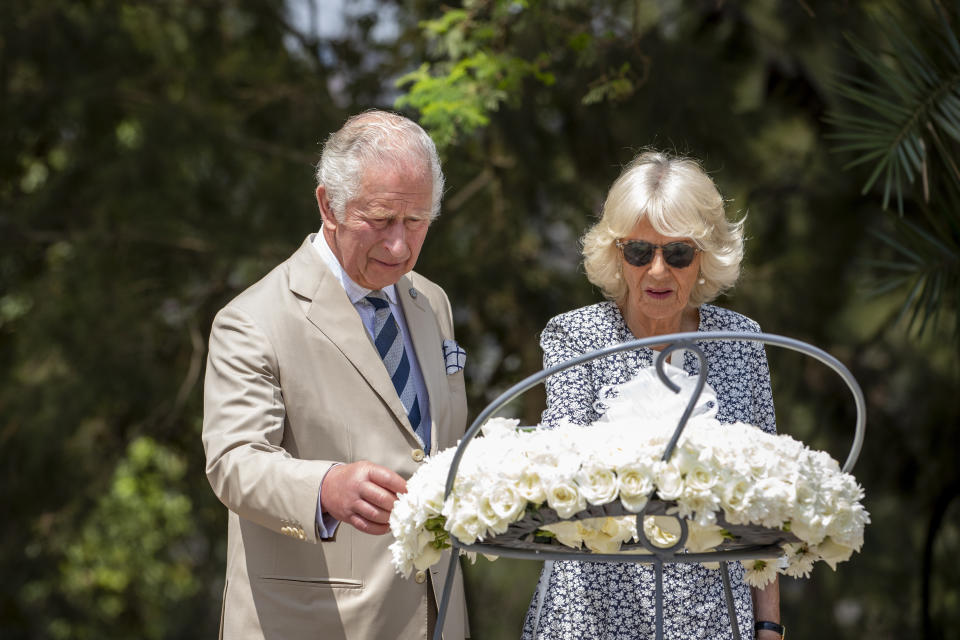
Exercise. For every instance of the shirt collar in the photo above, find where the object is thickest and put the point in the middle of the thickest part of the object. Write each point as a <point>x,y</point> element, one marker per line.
<point>355,292</point>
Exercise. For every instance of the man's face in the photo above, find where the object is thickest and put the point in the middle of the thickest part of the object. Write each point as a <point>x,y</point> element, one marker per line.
<point>384,227</point>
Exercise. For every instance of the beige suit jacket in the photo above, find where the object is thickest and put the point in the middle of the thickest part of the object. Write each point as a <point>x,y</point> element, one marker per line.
<point>293,385</point>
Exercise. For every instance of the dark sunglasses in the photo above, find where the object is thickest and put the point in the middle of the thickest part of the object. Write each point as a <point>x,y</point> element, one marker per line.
<point>640,253</point>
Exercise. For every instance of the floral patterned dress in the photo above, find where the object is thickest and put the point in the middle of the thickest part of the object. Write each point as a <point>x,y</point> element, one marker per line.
<point>576,600</point>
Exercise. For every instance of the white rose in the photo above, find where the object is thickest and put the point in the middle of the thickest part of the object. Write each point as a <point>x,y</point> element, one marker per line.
<point>700,478</point>
<point>564,498</point>
<point>635,485</point>
<point>463,519</point>
<point>597,484</point>
<point>488,515</point>
<point>507,503</point>
<point>669,481</point>
<point>530,486</point>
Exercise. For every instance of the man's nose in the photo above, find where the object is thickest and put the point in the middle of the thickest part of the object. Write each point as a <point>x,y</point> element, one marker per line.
<point>395,238</point>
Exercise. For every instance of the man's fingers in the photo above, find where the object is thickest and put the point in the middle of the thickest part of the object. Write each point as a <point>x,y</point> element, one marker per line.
<point>362,494</point>
<point>366,526</point>
<point>373,512</point>
<point>378,496</point>
<point>389,480</point>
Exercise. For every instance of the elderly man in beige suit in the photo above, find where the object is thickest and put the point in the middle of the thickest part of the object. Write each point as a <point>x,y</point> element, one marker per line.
<point>327,383</point>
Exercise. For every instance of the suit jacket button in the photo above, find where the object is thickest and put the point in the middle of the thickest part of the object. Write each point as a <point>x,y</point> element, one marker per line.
<point>420,577</point>
<point>417,455</point>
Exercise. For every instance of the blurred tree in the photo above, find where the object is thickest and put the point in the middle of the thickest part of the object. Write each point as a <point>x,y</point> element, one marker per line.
<point>908,128</point>
<point>156,158</point>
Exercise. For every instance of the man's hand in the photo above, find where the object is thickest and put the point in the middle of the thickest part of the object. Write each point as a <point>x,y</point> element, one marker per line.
<point>362,495</point>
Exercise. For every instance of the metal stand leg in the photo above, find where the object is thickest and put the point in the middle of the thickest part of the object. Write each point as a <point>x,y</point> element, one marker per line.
<point>447,588</point>
<point>728,595</point>
<point>658,569</point>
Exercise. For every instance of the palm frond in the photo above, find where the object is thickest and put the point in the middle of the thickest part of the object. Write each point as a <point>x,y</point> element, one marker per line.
<point>927,262</point>
<point>911,100</point>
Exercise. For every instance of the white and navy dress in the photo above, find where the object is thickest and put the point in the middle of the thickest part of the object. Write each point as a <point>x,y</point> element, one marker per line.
<point>576,600</point>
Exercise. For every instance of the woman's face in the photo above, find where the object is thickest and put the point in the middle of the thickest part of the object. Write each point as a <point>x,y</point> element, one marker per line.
<point>656,290</point>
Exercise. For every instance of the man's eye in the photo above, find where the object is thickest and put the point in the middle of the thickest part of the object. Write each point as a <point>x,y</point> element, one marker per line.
<point>416,223</point>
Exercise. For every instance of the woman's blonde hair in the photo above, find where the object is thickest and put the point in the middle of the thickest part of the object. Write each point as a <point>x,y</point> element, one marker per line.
<point>679,199</point>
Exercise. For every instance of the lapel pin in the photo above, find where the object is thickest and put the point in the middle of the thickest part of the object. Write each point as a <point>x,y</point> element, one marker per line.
<point>413,292</point>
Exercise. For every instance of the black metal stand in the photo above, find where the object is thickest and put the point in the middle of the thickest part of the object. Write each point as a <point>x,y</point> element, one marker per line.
<point>752,542</point>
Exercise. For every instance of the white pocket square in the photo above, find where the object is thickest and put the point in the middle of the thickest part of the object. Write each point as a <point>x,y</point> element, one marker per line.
<point>454,357</point>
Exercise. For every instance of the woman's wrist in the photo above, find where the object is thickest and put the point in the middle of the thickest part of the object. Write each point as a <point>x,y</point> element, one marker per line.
<point>767,629</point>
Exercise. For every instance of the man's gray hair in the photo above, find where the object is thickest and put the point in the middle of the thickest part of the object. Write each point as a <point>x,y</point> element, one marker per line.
<point>369,139</point>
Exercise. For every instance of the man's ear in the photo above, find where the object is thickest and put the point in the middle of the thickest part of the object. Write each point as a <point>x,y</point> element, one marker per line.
<point>326,212</point>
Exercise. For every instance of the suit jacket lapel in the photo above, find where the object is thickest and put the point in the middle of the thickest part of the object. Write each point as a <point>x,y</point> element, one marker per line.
<point>331,312</point>
<point>427,342</point>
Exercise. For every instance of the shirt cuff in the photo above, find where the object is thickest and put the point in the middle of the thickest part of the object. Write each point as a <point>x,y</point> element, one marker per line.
<point>326,524</point>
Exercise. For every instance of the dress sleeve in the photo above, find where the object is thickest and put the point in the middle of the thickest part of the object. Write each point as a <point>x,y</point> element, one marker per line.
<point>570,394</point>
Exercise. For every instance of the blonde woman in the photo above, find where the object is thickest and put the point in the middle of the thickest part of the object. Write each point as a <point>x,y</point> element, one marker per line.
<point>661,251</point>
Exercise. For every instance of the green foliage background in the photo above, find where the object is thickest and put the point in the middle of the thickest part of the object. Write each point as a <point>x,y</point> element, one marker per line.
<point>155,159</point>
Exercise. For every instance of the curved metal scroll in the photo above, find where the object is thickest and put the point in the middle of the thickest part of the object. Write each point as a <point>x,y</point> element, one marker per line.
<point>658,556</point>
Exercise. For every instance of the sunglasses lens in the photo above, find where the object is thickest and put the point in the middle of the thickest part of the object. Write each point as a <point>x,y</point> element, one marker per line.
<point>638,253</point>
<point>678,254</point>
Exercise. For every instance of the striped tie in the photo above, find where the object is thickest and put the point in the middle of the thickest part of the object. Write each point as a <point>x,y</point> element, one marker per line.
<point>389,343</point>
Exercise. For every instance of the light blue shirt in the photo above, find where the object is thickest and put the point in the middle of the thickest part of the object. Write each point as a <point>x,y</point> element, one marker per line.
<point>325,523</point>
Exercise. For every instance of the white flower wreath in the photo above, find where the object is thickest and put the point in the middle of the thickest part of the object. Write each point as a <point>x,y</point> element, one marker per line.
<point>734,471</point>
